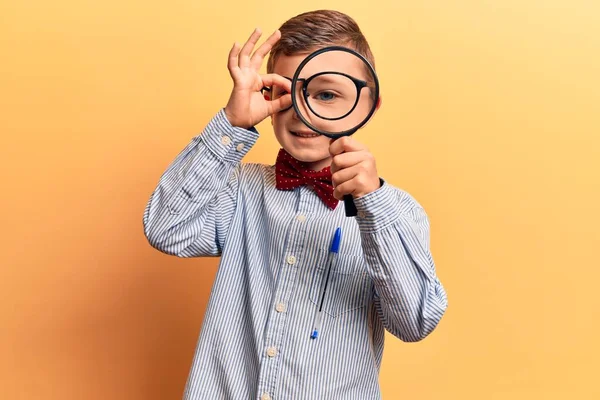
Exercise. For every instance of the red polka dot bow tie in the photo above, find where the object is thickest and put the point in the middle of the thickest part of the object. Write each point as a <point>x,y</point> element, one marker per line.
<point>291,173</point>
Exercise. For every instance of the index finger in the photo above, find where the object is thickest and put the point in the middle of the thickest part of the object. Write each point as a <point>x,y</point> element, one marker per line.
<point>343,144</point>
<point>263,50</point>
<point>244,54</point>
<point>276,80</point>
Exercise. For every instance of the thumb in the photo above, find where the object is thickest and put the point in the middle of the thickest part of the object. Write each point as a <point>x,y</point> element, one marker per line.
<point>280,104</point>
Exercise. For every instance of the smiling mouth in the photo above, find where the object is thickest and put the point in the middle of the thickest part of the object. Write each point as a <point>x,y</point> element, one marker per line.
<point>305,134</point>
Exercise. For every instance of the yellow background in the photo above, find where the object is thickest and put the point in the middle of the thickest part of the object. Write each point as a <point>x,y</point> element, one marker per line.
<point>491,119</point>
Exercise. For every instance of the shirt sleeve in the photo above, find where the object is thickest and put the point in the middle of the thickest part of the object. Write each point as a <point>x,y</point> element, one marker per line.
<point>189,212</point>
<point>409,298</point>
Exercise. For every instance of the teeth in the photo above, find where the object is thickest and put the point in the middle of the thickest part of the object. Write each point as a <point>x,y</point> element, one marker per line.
<point>306,135</point>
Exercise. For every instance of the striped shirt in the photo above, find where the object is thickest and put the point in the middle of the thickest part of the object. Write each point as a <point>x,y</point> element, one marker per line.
<point>255,339</point>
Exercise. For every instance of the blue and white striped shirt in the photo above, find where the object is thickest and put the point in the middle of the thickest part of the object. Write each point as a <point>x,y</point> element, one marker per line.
<point>255,339</point>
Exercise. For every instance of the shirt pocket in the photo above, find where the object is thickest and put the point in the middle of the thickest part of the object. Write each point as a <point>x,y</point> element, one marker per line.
<point>348,286</point>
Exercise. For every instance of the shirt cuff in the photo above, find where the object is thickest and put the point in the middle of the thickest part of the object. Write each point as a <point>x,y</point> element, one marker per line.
<point>378,209</point>
<point>228,143</point>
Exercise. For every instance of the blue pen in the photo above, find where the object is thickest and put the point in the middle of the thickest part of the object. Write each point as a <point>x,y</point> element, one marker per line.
<point>333,251</point>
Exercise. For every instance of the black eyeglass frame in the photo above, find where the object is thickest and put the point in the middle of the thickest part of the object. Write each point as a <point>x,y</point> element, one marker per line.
<point>359,84</point>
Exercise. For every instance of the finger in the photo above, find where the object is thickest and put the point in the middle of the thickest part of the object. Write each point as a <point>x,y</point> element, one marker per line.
<point>348,187</point>
<point>264,49</point>
<point>244,57</point>
<point>280,103</point>
<point>232,61</point>
<point>349,159</point>
<point>344,175</point>
<point>343,144</point>
<point>276,80</point>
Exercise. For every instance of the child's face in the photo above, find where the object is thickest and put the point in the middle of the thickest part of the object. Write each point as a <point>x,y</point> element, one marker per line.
<point>292,134</point>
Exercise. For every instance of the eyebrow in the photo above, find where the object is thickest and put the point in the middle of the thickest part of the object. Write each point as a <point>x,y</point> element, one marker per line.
<point>290,79</point>
<point>327,79</point>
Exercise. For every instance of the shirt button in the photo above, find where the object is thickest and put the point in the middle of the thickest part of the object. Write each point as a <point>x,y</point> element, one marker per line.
<point>271,351</point>
<point>291,260</point>
<point>280,307</point>
<point>226,140</point>
<point>240,147</point>
<point>361,214</point>
<point>301,218</point>
<point>265,396</point>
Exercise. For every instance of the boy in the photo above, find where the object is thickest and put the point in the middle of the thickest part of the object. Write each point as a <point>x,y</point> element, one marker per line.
<point>274,237</point>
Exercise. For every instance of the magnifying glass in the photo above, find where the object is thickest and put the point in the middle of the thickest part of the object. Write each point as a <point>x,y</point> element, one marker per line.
<point>335,91</point>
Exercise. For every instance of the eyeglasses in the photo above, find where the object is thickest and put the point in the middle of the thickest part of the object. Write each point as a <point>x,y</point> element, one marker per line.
<point>329,95</point>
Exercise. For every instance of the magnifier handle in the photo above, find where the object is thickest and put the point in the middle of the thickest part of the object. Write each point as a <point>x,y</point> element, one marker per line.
<point>350,206</point>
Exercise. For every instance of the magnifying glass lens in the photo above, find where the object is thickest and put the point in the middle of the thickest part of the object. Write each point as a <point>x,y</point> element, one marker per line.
<point>335,91</point>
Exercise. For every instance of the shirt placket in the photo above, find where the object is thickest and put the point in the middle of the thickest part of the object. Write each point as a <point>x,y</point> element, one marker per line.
<point>291,259</point>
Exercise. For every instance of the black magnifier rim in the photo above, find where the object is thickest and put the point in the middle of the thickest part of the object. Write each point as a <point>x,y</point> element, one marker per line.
<point>296,78</point>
